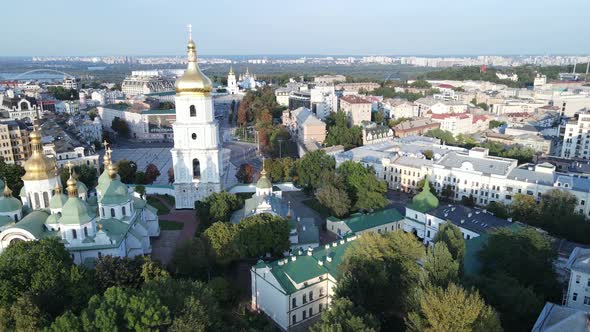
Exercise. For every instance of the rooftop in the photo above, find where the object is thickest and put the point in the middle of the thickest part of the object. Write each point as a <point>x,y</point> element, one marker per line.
<point>473,219</point>
<point>354,99</point>
<point>556,318</point>
<point>359,222</point>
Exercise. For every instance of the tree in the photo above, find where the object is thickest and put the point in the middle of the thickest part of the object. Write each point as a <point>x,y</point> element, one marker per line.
<point>139,178</point>
<point>444,135</point>
<point>113,271</point>
<point>13,174</point>
<point>378,117</point>
<point>384,262</point>
<point>193,317</point>
<point>523,207</point>
<point>216,207</point>
<point>121,127</point>
<point>151,173</point>
<point>61,93</point>
<point>44,269</point>
<point>140,189</point>
<point>127,170</point>
<point>428,154</point>
<point>343,316</point>
<point>312,167</point>
<point>498,209</point>
<point>125,309</point>
<point>453,238</point>
<point>452,309</point>
<point>245,173</point>
<point>68,322</point>
<point>440,267</point>
<point>447,192</point>
<point>27,315</point>
<point>221,238</point>
<point>340,134</point>
<point>262,233</point>
<point>365,190</point>
<point>335,199</point>
<point>396,121</point>
<point>495,123</point>
<point>171,175</point>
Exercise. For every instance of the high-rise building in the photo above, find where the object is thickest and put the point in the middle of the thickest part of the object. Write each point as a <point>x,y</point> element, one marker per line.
<point>196,155</point>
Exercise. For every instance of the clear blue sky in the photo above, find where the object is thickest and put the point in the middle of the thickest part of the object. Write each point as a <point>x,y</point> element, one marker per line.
<point>136,27</point>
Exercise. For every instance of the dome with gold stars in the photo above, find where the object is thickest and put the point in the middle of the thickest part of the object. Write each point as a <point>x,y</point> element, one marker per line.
<point>193,81</point>
<point>38,166</point>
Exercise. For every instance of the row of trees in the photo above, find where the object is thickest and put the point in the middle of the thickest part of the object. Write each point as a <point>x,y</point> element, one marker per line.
<point>121,127</point>
<point>130,175</point>
<point>555,212</point>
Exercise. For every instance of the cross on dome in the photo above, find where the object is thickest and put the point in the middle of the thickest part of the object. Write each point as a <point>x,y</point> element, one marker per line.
<point>190,31</point>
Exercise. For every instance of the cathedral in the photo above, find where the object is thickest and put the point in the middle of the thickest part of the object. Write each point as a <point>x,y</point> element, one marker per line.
<point>196,155</point>
<point>114,222</point>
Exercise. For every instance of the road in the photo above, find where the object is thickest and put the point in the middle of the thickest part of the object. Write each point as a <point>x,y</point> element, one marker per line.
<point>242,152</point>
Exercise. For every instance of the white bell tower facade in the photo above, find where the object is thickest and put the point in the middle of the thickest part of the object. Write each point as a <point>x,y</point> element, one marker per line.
<point>232,84</point>
<point>196,156</point>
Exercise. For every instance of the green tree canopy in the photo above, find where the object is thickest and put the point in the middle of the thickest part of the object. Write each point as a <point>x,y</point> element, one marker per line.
<point>312,167</point>
<point>217,207</point>
<point>440,267</point>
<point>365,190</point>
<point>343,316</point>
<point>453,238</point>
<point>127,170</point>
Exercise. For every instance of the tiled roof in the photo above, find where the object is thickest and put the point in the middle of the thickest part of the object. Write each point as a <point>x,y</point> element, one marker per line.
<point>353,99</point>
<point>359,222</point>
<point>473,219</point>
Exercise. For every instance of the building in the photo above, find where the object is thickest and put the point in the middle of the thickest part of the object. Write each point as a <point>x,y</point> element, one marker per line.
<point>113,223</point>
<point>299,99</point>
<point>424,216</point>
<point>578,290</point>
<point>304,126</point>
<point>144,124</point>
<point>18,107</point>
<point>329,79</point>
<point>232,84</point>
<point>398,108</point>
<point>297,289</point>
<point>70,83</point>
<point>461,123</point>
<point>356,108</point>
<point>196,155</point>
<point>139,84</point>
<point>556,318</point>
<point>382,221</point>
<point>14,142</point>
<point>415,127</point>
<point>355,88</point>
<point>373,133</point>
<point>248,81</point>
<point>576,139</point>
<point>267,199</point>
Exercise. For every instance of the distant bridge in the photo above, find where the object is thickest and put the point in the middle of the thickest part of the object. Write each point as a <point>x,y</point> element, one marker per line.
<point>19,76</point>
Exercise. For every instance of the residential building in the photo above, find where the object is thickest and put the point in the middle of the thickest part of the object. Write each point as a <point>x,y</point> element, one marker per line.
<point>356,108</point>
<point>297,289</point>
<point>355,88</point>
<point>461,123</point>
<point>424,217</point>
<point>299,99</point>
<point>144,84</point>
<point>557,318</point>
<point>373,133</point>
<point>383,221</point>
<point>144,124</point>
<point>416,127</point>
<point>576,140</point>
<point>15,134</point>
<point>304,126</point>
<point>329,79</point>
<point>398,108</point>
<point>578,290</point>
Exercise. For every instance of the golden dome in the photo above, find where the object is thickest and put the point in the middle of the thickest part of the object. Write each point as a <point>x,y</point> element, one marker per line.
<point>38,167</point>
<point>193,80</point>
<point>113,170</point>
<point>72,186</point>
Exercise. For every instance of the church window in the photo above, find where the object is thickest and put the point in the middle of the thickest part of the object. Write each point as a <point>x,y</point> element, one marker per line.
<point>193,111</point>
<point>74,235</point>
<point>196,169</point>
<point>123,211</point>
<point>46,199</point>
<point>16,217</point>
<point>112,213</point>
<point>194,136</point>
<point>102,212</point>
<point>37,203</point>
<point>85,231</point>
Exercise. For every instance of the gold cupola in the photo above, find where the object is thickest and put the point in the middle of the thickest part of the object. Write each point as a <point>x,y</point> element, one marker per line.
<point>38,166</point>
<point>193,81</point>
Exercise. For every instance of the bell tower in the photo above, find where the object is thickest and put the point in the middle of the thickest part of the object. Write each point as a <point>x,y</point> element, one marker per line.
<point>196,155</point>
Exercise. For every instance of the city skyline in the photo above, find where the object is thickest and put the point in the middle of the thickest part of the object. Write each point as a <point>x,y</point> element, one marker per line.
<point>425,28</point>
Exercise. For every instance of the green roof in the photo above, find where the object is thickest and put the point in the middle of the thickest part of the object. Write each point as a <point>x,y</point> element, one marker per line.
<point>9,204</point>
<point>34,223</point>
<point>306,267</point>
<point>116,192</point>
<point>358,222</point>
<point>263,183</point>
<point>425,200</point>
<point>5,221</point>
<point>160,112</point>
<point>58,201</point>
<point>81,187</point>
<point>165,93</point>
<point>75,212</point>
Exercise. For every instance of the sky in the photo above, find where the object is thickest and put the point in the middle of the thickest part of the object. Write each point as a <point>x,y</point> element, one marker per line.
<point>267,27</point>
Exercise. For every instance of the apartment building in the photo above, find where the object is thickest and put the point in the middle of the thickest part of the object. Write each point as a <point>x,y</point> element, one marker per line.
<point>304,125</point>
<point>415,127</point>
<point>578,290</point>
<point>356,108</point>
<point>576,139</point>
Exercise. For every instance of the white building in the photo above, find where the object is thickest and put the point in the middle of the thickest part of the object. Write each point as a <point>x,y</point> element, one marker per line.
<point>398,108</point>
<point>196,156</point>
<point>576,138</point>
<point>382,221</point>
<point>297,289</point>
<point>578,290</point>
<point>232,84</point>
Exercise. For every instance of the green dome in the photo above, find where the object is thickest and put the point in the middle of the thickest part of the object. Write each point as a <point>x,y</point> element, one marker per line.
<point>116,192</point>
<point>263,182</point>
<point>9,204</point>
<point>57,201</point>
<point>103,181</point>
<point>425,200</point>
<point>75,212</point>
<point>23,192</point>
<point>52,219</point>
<point>82,187</point>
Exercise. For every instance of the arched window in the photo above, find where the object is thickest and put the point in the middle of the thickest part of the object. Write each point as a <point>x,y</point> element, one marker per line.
<point>16,217</point>
<point>74,235</point>
<point>112,213</point>
<point>85,231</point>
<point>123,211</point>
<point>194,136</point>
<point>37,203</point>
<point>193,111</point>
<point>45,199</point>
<point>102,212</point>
<point>196,169</point>
<point>24,105</point>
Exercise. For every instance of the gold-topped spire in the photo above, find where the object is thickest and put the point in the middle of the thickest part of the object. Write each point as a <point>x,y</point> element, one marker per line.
<point>72,184</point>
<point>107,157</point>
<point>7,191</point>
<point>231,70</point>
<point>113,170</point>
<point>193,81</point>
<point>38,166</point>
<point>57,189</point>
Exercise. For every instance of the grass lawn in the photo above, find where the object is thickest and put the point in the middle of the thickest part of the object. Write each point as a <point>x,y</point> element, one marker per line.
<point>170,199</point>
<point>162,209</point>
<point>313,204</point>
<point>169,225</point>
